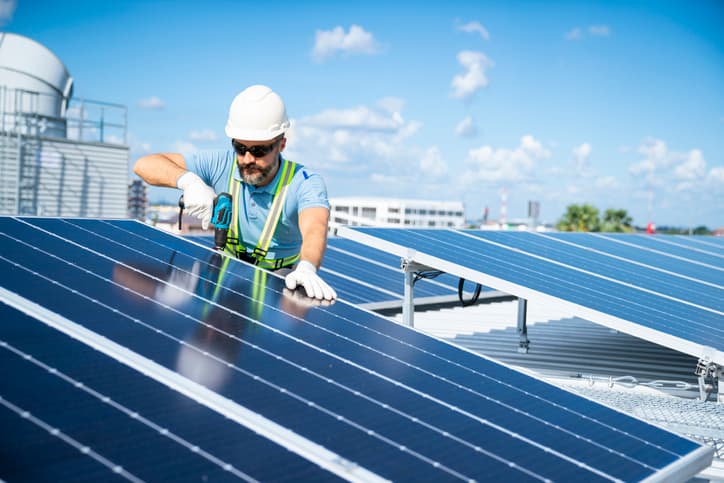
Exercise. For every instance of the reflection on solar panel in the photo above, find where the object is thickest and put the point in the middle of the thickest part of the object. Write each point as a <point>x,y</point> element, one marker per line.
<point>370,277</point>
<point>668,294</point>
<point>154,358</point>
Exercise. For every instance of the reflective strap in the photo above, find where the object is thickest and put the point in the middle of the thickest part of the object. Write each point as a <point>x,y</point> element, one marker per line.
<point>276,208</point>
<point>278,263</point>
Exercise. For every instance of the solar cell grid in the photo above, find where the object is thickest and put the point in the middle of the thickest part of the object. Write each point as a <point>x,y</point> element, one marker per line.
<point>677,265</point>
<point>394,401</point>
<point>112,425</point>
<point>685,325</point>
<point>662,244</point>
<point>646,277</point>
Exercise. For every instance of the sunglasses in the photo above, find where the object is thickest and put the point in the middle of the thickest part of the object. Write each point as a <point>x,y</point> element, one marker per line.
<point>258,151</point>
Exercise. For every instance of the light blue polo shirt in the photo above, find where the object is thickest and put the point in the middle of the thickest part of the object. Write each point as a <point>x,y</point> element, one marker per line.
<point>306,190</point>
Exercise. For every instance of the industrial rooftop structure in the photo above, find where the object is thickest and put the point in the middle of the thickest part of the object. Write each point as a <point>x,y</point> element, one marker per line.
<point>59,156</point>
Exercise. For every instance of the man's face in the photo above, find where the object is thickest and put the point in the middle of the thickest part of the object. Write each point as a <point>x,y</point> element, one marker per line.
<point>258,160</point>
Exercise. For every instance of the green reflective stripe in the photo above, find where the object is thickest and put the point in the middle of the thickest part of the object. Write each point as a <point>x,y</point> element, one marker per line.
<point>276,208</point>
<point>276,263</point>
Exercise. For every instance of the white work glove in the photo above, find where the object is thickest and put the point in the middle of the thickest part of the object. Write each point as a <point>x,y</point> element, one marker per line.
<point>305,274</point>
<point>198,197</point>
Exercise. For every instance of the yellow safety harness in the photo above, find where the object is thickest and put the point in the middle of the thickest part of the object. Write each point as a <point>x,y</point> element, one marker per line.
<point>235,244</point>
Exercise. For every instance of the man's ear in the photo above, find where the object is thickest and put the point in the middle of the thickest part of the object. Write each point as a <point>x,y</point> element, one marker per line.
<point>282,144</point>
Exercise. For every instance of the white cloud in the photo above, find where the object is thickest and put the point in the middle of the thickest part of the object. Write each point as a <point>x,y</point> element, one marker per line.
<point>606,183</point>
<point>474,79</point>
<point>466,128</point>
<point>185,148</point>
<point>577,33</point>
<point>7,9</point>
<point>151,103</point>
<point>502,164</point>
<point>356,41</point>
<point>355,140</point>
<point>360,117</point>
<point>716,176</point>
<point>656,157</point>
<point>432,164</point>
<point>475,27</point>
<point>391,104</point>
<point>580,159</point>
<point>694,167</point>
<point>205,135</point>
<point>599,30</point>
<point>574,34</point>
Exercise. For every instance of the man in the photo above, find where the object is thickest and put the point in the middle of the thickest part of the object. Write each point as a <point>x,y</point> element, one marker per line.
<point>280,208</point>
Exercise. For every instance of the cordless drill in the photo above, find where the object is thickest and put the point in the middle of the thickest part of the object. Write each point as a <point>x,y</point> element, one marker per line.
<point>220,218</point>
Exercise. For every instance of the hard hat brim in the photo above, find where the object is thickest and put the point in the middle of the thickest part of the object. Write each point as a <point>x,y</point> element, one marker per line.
<point>255,135</point>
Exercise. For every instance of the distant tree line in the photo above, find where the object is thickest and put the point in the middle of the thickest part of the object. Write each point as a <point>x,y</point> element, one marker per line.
<point>586,217</point>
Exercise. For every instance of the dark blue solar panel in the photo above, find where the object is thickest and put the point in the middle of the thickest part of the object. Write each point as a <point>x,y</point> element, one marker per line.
<point>689,320</point>
<point>614,247</point>
<point>714,244</point>
<point>647,277</point>
<point>672,246</point>
<point>398,403</point>
<point>126,420</point>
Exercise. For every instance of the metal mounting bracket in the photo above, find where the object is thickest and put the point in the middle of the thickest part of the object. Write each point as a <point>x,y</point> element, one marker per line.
<point>411,268</point>
<point>710,380</point>
<point>523,342</point>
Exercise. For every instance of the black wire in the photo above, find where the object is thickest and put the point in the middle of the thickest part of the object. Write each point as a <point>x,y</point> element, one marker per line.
<point>475,296</point>
<point>428,274</point>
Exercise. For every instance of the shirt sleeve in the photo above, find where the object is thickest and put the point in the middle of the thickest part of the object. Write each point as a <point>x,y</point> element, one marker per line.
<point>312,191</point>
<point>210,166</point>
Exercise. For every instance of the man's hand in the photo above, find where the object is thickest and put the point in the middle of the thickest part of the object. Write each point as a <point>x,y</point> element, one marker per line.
<point>306,275</point>
<point>198,197</point>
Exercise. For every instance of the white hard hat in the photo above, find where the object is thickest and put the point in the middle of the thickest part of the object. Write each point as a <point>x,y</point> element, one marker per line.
<point>257,114</point>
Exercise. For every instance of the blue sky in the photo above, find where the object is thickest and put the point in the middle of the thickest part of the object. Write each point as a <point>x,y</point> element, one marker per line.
<point>617,104</point>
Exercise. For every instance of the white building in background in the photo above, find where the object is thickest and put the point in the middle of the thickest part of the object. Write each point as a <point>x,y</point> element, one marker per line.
<point>396,212</point>
<point>59,156</point>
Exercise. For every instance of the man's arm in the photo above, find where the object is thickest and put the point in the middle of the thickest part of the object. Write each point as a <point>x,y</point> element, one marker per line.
<point>313,226</point>
<point>169,170</point>
<point>162,169</point>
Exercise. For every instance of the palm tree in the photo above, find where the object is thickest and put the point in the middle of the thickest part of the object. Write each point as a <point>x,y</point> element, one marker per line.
<point>616,221</point>
<point>579,218</point>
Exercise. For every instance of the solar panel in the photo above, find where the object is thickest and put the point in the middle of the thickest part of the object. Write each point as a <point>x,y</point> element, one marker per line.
<point>157,358</point>
<point>662,306</point>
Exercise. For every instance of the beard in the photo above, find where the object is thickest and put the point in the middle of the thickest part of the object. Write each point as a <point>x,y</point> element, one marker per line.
<point>253,174</point>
